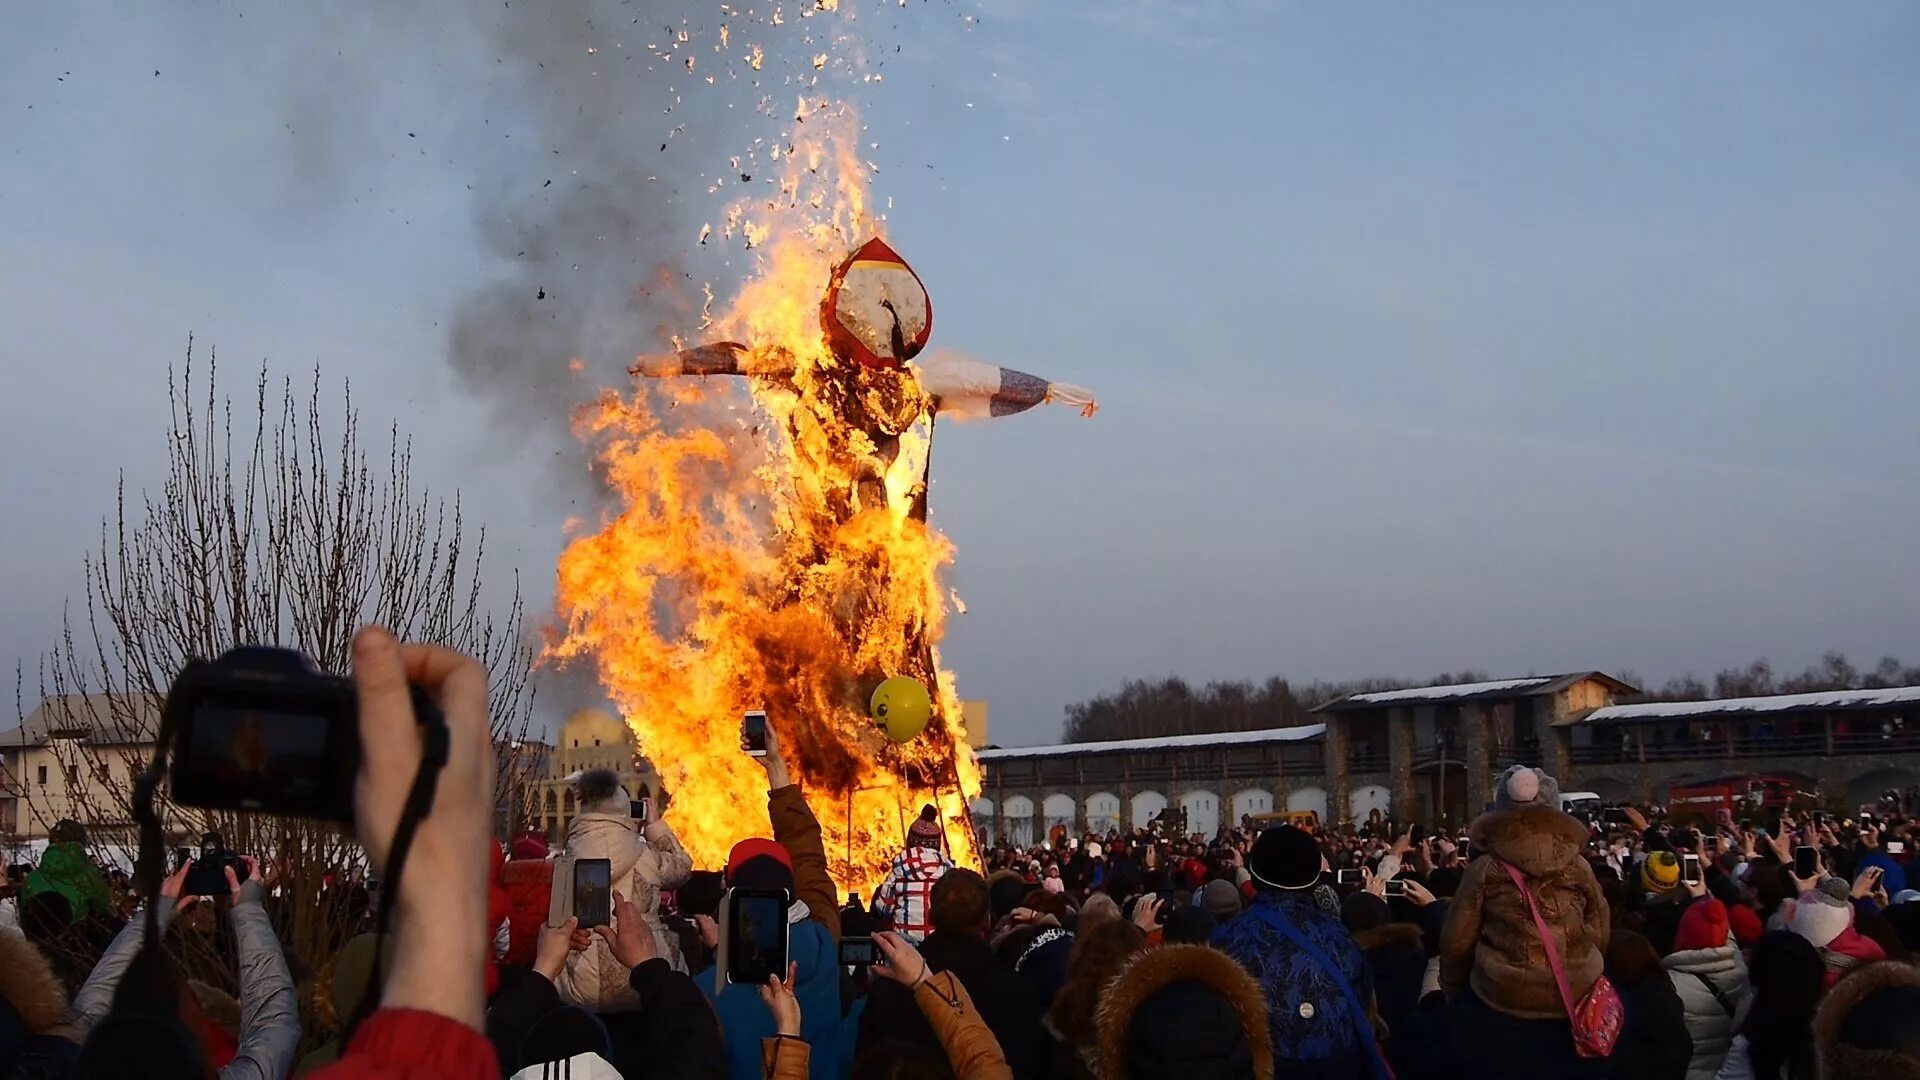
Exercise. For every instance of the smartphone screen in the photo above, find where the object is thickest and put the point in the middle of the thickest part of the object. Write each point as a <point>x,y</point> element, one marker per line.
<point>859,952</point>
<point>1466,849</point>
<point>1347,877</point>
<point>593,892</point>
<point>640,810</point>
<point>753,733</point>
<point>1806,861</point>
<point>1896,847</point>
<point>756,932</point>
<point>1690,869</point>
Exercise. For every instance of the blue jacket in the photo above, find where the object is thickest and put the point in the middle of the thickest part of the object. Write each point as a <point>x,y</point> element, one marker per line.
<point>1314,1030</point>
<point>744,1019</point>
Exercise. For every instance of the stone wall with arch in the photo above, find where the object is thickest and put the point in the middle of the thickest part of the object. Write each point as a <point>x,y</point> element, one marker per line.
<point>1249,802</point>
<point>1367,798</point>
<point>1016,820</point>
<point>1309,798</point>
<point>1059,808</point>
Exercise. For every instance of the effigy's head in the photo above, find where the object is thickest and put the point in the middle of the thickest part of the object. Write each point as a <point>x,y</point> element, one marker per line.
<point>876,313</point>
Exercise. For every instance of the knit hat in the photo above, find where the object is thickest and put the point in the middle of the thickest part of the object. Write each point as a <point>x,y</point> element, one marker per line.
<point>925,830</point>
<point>1660,872</point>
<point>1746,925</point>
<point>530,846</point>
<point>67,831</point>
<point>1041,955</point>
<point>760,864</point>
<point>562,1034</point>
<point>1220,899</point>
<point>1285,858</point>
<point>1820,917</point>
<point>1703,926</point>
<point>600,792</point>
<point>1522,785</point>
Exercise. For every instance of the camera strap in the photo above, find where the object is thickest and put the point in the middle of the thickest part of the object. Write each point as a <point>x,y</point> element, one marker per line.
<point>426,781</point>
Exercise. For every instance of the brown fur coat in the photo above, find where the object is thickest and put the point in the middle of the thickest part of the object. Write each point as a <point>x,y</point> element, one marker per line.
<point>1156,969</point>
<point>28,984</point>
<point>1489,940</point>
<point>1842,1060</point>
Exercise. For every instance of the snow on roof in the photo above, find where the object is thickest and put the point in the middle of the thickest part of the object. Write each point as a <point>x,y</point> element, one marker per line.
<point>1826,699</point>
<point>1169,742</point>
<point>1427,693</point>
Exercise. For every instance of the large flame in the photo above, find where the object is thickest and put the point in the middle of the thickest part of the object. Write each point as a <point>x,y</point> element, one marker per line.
<point>771,550</point>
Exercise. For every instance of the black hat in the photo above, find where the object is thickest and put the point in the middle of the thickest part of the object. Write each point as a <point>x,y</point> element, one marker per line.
<point>1285,858</point>
<point>1188,926</point>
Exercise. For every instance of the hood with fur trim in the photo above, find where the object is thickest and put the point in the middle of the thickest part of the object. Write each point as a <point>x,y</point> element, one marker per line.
<point>1539,840</point>
<point>1157,969</point>
<point>28,984</point>
<point>1838,1059</point>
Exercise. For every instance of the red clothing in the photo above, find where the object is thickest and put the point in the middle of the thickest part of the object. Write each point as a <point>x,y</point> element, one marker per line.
<point>1850,950</point>
<point>529,887</point>
<point>497,907</point>
<point>408,1044</point>
<point>906,894</point>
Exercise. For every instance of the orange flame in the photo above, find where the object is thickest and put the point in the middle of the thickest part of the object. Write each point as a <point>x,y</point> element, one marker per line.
<point>771,551</point>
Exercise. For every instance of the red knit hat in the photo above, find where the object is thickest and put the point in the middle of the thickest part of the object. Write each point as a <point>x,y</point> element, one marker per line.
<point>1747,927</point>
<point>755,848</point>
<point>1702,926</point>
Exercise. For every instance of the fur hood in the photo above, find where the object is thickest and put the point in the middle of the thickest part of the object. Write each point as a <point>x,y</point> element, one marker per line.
<point>1837,1059</point>
<point>1155,969</point>
<point>1538,840</point>
<point>1397,933</point>
<point>28,984</point>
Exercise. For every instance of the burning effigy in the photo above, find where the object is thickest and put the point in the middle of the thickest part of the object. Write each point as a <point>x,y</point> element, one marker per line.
<point>769,545</point>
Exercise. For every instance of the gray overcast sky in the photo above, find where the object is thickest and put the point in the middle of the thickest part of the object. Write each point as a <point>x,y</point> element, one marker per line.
<point>1521,336</point>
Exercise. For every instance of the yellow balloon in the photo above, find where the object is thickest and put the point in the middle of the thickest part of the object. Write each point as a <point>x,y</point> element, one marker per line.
<point>901,707</point>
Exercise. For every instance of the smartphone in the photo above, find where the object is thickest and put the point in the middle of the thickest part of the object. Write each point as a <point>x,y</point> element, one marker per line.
<point>860,951</point>
<point>1819,817</point>
<point>1806,861</point>
<point>1465,846</point>
<point>1417,834</point>
<point>1690,869</point>
<point>1348,877</point>
<point>754,939</point>
<point>640,810</point>
<point>1396,887</point>
<point>593,892</point>
<point>1896,847</point>
<point>753,733</point>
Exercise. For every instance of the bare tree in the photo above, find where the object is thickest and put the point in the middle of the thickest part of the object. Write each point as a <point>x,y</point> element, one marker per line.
<point>274,525</point>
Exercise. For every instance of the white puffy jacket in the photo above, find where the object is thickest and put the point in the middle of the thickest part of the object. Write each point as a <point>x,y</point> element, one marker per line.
<point>1696,975</point>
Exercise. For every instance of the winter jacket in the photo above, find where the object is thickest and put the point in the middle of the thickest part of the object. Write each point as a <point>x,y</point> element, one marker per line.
<point>1399,967</point>
<point>529,887</point>
<point>813,943</point>
<point>68,870</point>
<point>1710,1018</point>
<point>674,1036</point>
<point>1489,940</point>
<point>1204,1052</point>
<point>903,896</point>
<point>1313,1029</point>
<point>643,866</point>
<point>1006,1002</point>
<point>411,1044</point>
<point>499,930</point>
<point>269,1011</point>
<point>1654,1044</point>
<point>34,1038</point>
<point>1836,1052</point>
<point>1850,950</point>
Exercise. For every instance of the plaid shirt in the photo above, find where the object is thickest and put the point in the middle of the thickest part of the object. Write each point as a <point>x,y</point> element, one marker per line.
<point>904,895</point>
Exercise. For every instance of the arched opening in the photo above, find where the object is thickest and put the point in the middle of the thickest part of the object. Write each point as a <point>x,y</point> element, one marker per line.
<point>1203,813</point>
<point>1250,801</point>
<point>1146,805</point>
<point>1309,798</point>
<point>982,811</point>
<point>1367,798</point>
<point>1017,821</point>
<point>1058,809</point>
<point>1867,788</point>
<point>1103,812</point>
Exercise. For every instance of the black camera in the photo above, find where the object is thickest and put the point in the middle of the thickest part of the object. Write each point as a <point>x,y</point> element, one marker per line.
<point>208,876</point>
<point>263,730</point>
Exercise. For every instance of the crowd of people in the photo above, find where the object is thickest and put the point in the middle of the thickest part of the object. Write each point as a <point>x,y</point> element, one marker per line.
<point>1530,943</point>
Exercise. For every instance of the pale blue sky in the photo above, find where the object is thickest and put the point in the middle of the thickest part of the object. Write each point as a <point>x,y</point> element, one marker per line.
<point>1519,336</point>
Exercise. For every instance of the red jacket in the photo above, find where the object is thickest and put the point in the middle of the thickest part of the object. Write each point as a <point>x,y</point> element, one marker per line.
<point>497,905</point>
<point>529,888</point>
<point>407,1044</point>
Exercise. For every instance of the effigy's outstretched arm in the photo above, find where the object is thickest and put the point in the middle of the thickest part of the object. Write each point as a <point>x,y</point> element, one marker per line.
<point>713,358</point>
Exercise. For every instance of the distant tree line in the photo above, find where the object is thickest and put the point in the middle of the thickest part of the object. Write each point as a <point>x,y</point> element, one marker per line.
<point>1171,706</point>
<point>1144,709</point>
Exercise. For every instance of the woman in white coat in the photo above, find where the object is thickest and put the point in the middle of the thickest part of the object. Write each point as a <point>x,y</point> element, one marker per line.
<point>647,859</point>
<point>1706,970</point>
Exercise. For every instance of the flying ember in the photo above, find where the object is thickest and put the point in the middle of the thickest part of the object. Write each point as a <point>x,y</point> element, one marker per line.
<point>771,549</point>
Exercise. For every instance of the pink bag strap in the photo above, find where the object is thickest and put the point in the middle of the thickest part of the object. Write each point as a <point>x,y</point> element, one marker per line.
<point>1546,936</point>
